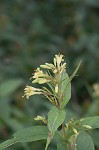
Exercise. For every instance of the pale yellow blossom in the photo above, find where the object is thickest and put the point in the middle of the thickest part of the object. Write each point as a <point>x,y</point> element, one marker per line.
<point>39,73</point>
<point>59,67</point>
<point>29,90</point>
<point>75,131</point>
<point>87,126</point>
<point>40,118</point>
<point>55,71</point>
<point>40,77</point>
<point>56,88</point>
<point>47,66</point>
<point>63,67</point>
<point>59,59</point>
<point>40,80</point>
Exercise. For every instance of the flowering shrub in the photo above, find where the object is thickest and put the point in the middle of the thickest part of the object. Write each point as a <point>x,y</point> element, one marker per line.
<point>57,89</point>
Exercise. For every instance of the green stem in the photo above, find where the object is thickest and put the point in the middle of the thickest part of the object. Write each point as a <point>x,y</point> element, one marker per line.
<point>72,144</point>
<point>63,127</point>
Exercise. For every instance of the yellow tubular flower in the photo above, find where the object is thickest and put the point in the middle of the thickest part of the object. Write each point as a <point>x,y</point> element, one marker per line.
<point>56,88</point>
<point>55,71</point>
<point>29,90</point>
<point>40,80</point>
<point>48,66</point>
<point>55,62</point>
<point>75,131</point>
<point>63,67</point>
<point>45,67</point>
<point>40,77</point>
<point>59,59</point>
<point>38,73</point>
<point>87,126</point>
<point>40,118</point>
<point>59,67</point>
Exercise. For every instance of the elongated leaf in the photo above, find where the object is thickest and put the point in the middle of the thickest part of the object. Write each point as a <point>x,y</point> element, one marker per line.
<point>84,142</point>
<point>9,86</point>
<point>86,123</point>
<point>95,136</point>
<point>27,135</point>
<point>7,143</point>
<point>65,89</point>
<point>32,134</point>
<point>73,75</point>
<point>55,118</point>
<point>91,121</point>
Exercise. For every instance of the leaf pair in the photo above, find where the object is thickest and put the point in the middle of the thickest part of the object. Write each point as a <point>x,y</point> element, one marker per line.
<point>41,132</point>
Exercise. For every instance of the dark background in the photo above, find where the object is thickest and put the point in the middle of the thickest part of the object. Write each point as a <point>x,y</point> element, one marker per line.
<point>31,33</point>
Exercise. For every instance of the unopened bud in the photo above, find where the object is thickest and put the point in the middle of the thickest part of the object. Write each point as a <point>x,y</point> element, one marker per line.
<point>55,71</point>
<point>75,131</point>
<point>56,88</point>
<point>40,118</point>
<point>87,126</point>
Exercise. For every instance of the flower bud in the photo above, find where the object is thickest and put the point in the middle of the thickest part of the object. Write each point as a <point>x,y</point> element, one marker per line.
<point>45,67</point>
<point>87,126</point>
<point>55,71</point>
<point>75,131</point>
<point>56,88</point>
<point>40,118</point>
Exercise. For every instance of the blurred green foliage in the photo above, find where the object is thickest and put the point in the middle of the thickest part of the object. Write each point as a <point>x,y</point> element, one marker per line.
<point>31,33</point>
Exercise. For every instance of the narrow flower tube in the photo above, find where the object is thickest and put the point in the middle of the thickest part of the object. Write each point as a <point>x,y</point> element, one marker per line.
<point>40,80</point>
<point>56,88</point>
<point>75,131</point>
<point>40,118</point>
<point>59,59</point>
<point>87,126</point>
<point>45,67</point>
<point>29,91</point>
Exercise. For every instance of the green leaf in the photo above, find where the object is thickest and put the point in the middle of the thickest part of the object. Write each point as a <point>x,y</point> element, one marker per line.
<point>7,143</point>
<point>95,136</point>
<point>65,89</point>
<point>84,142</point>
<point>91,121</point>
<point>9,86</point>
<point>55,118</point>
<point>73,75</point>
<point>32,134</point>
<point>61,145</point>
<point>27,135</point>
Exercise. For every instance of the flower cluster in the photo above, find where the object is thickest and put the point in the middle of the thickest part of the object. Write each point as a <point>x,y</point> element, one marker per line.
<point>50,74</point>
<point>57,67</point>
